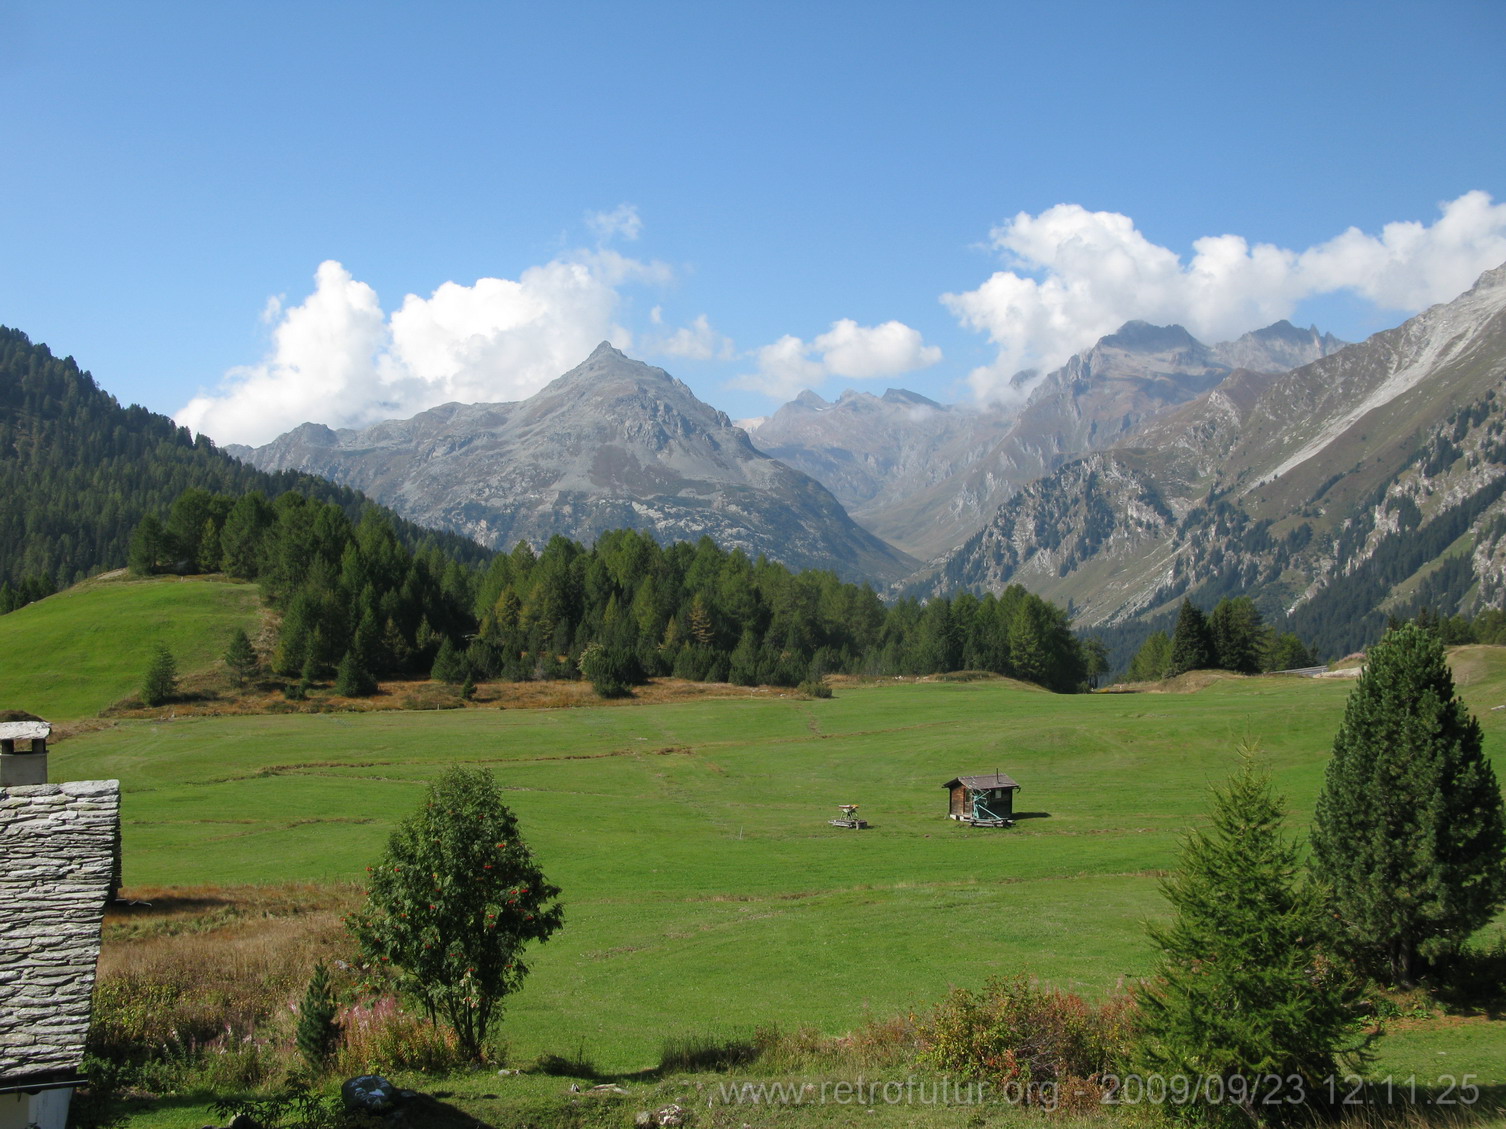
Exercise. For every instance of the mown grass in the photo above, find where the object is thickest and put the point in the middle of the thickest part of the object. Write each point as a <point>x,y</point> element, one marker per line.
<point>704,889</point>
<point>74,654</point>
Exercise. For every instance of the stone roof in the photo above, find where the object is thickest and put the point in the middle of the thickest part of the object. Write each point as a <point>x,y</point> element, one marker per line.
<point>992,780</point>
<point>57,868</point>
<point>24,730</point>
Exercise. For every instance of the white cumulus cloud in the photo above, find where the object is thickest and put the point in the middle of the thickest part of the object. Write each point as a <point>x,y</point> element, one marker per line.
<point>338,359</point>
<point>1077,275</point>
<point>847,349</point>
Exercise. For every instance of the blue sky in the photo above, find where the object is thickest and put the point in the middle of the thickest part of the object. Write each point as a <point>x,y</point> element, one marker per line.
<point>250,215</point>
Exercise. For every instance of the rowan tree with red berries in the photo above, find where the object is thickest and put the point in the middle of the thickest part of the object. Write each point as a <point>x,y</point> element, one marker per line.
<point>452,904</point>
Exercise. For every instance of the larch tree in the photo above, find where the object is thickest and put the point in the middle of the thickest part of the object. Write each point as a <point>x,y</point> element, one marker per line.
<point>1409,831</point>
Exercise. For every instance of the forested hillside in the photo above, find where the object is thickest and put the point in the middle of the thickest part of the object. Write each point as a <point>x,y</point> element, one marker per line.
<point>78,472</point>
<point>356,604</point>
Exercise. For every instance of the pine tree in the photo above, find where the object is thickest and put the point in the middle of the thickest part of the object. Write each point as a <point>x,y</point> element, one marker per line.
<point>161,681</point>
<point>449,664</point>
<point>1191,646</point>
<point>1409,830</point>
<point>1245,986</point>
<point>1235,631</point>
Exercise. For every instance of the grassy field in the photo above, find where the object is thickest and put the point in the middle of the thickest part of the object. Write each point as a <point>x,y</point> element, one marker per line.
<point>76,653</point>
<point>705,891</point>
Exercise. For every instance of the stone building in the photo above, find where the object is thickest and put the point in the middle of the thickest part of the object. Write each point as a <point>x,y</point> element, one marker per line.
<point>59,866</point>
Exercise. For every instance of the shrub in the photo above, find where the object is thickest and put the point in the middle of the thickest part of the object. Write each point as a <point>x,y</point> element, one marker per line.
<point>815,688</point>
<point>380,1038</point>
<point>1014,1034</point>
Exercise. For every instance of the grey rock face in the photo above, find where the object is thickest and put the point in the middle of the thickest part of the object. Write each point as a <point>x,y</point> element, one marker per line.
<point>925,476</point>
<point>1281,486</point>
<point>612,444</point>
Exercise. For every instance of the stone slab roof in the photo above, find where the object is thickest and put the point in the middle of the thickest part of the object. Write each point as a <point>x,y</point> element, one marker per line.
<point>24,730</point>
<point>992,780</point>
<point>57,863</point>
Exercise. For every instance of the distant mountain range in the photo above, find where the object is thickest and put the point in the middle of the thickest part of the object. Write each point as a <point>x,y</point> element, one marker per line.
<point>925,477</point>
<point>614,443</point>
<point>1366,482</point>
<point>1335,483</point>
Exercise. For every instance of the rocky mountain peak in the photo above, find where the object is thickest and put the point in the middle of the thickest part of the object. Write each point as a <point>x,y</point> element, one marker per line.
<point>1143,337</point>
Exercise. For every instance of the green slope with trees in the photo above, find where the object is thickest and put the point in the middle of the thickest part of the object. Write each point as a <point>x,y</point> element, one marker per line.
<point>78,473</point>
<point>78,652</point>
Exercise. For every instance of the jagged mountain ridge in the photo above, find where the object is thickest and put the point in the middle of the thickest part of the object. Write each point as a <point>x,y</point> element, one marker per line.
<point>612,444</point>
<point>1335,491</point>
<point>925,478</point>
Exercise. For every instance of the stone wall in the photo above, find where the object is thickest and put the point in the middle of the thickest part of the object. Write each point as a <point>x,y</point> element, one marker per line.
<point>57,863</point>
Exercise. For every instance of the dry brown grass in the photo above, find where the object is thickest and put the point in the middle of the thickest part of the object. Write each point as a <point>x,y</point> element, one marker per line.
<point>221,955</point>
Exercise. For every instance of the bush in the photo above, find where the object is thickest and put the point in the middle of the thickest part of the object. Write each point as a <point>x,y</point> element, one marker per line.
<point>1014,1034</point>
<point>612,671</point>
<point>816,688</point>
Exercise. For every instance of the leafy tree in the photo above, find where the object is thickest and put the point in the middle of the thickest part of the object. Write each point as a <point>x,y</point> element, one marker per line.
<point>1191,645</point>
<point>161,677</point>
<point>1245,985</point>
<point>453,903</point>
<point>1409,829</point>
<point>240,657</point>
<point>1095,656</point>
<point>1150,661</point>
<point>318,1032</point>
<point>1287,652</point>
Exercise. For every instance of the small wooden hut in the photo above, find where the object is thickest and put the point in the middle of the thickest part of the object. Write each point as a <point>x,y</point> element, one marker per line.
<point>983,801</point>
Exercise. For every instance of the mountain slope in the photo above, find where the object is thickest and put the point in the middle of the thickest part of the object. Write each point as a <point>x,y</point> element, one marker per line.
<point>1327,491</point>
<point>924,476</point>
<point>612,444</point>
<point>78,471</point>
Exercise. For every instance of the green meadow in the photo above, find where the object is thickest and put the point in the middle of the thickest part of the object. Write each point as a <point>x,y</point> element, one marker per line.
<point>705,892</point>
<point>76,653</point>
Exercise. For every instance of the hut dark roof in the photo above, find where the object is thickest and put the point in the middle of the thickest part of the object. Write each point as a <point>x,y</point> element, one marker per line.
<point>57,842</point>
<point>992,780</point>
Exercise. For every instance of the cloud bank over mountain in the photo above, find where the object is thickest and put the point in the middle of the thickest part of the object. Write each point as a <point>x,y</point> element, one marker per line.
<point>1069,277</point>
<point>1075,276</point>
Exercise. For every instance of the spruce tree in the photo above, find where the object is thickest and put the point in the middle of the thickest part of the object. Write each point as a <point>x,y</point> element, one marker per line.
<point>1409,830</point>
<point>240,657</point>
<point>352,679</point>
<point>1235,630</point>
<point>161,681</point>
<point>1245,986</point>
<point>318,1032</point>
<point>1191,645</point>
